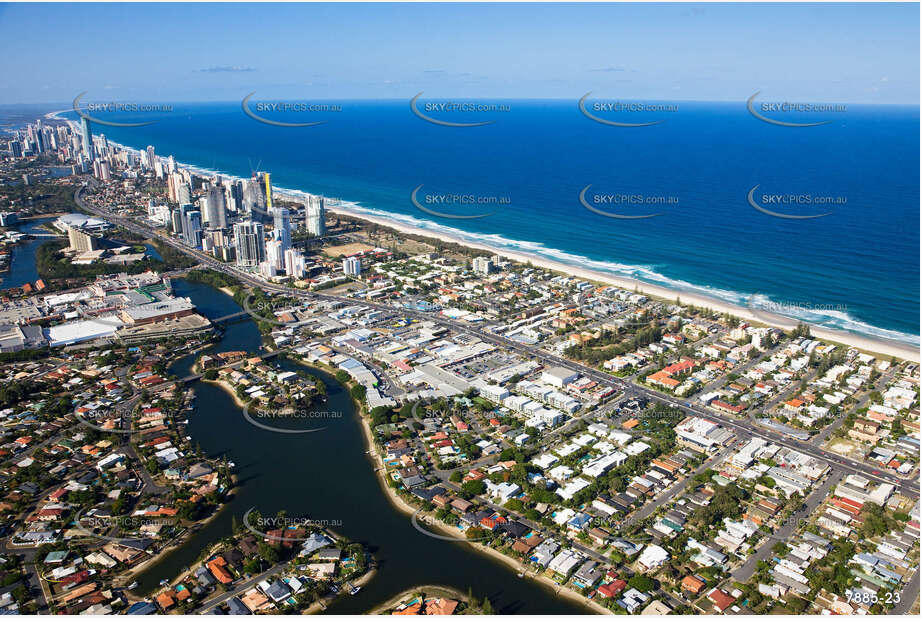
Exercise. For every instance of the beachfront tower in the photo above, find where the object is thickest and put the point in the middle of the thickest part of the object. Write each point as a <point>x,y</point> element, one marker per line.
<point>316,216</point>
<point>268,192</point>
<point>249,242</point>
<point>282,222</point>
<point>87,138</point>
<point>215,208</point>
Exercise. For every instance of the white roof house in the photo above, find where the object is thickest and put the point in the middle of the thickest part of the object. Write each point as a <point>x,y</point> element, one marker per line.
<point>652,557</point>
<point>564,562</point>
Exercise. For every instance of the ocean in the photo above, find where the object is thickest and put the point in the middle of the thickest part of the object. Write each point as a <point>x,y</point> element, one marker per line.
<point>855,269</point>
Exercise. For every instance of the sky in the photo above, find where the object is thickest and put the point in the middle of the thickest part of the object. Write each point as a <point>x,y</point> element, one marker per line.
<point>847,53</point>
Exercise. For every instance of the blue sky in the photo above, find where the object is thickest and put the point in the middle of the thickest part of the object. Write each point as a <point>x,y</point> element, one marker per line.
<point>852,53</point>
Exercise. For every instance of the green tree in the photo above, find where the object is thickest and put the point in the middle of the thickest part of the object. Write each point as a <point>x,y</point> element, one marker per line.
<point>642,583</point>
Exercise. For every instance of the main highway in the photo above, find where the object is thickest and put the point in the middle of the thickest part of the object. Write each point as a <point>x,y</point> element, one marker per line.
<point>743,428</point>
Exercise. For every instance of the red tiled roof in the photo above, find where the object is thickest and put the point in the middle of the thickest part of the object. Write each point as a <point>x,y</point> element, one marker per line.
<point>720,599</point>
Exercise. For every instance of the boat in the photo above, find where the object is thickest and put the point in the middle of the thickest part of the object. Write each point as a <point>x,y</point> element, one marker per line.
<point>354,589</point>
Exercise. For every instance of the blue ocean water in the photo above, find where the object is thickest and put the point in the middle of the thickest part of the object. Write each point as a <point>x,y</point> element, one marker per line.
<point>856,269</point>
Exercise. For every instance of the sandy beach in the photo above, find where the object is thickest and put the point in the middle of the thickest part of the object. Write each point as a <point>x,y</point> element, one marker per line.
<point>227,388</point>
<point>428,591</point>
<point>404,507</point>
<point>322,605</point>
<point>878,347</point>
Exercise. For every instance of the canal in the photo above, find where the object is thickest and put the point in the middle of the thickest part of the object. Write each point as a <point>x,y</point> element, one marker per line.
<point>327,475</point>
<point>23,269</point>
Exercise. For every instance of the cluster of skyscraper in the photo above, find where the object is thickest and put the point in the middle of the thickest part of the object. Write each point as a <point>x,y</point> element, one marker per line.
<point>58,141</point>
<point>204,225</point>
<point>84,151</point>
<point>36,139</point>
<point>224,217</point>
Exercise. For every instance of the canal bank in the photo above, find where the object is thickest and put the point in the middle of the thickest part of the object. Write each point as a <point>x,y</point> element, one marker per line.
<point>326,475</point>
<point>23,269</point>
<point>23,264</point>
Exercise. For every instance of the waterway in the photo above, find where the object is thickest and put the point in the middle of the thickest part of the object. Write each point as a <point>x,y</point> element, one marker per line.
<point>327,475</point>
<point>22,268</point>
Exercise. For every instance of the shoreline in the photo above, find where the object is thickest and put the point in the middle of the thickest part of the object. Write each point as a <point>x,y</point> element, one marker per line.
<point>320,605</point>
<point>423,590</point>
<point>144,566</point>
<point>323,604</point>
<point>876,345</point>
<point>190,532</point>
<point>397,501</point>
<point>226,387</point>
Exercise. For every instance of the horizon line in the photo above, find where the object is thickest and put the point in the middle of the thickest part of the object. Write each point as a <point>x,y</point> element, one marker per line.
<point>69,104</point>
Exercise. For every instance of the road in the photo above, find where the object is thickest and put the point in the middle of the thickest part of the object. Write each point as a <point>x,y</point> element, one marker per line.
<point>787,530</point>
<point>742,427</point>
<point>909,597</point>
<point>483,502</point>
<point>829,429</point>
<point>211,605</point>
<point>33,580</point>
<point>125,409</point>
<point>647,509</point>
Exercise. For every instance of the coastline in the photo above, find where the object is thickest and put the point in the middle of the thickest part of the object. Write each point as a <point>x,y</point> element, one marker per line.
<point>139,569</point>
<point>323,605</point>
<point>227,389</point>
<point>428,591</point>
<point>877,345</point>
<point>874,345</point>
<point>404,507</point>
